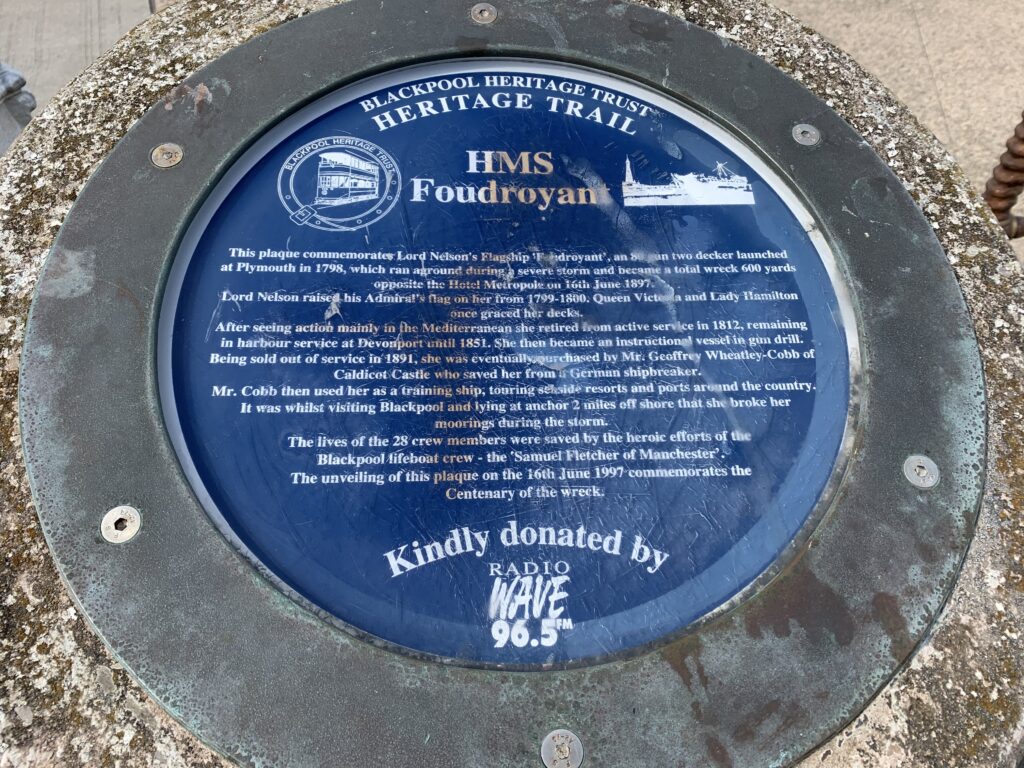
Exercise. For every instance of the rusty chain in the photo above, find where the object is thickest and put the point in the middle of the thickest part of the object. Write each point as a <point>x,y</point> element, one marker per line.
<point>1007,183</point>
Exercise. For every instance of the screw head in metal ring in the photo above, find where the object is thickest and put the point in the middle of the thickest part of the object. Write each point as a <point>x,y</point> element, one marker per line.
<point>921,471</point>
<point>167,155</point>
<point>806,134</point>
<point>483,13</point>
<point>562,749</point>
<point>121,524</point>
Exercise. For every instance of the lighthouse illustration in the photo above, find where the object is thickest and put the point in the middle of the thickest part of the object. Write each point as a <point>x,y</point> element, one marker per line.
<point>723,187</point>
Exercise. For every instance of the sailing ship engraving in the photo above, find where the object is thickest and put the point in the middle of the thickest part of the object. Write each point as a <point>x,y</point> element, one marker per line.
<point>722,187</point>
<point>343,178</point>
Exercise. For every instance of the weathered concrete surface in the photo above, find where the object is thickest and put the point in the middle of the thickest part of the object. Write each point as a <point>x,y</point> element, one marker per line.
<point>64,701</point>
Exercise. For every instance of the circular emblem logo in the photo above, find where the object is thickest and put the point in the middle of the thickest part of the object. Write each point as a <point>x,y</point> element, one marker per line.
<point>338,184</point>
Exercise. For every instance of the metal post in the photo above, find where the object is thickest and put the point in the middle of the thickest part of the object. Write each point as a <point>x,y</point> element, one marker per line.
<point>1007,183</point>
<point>16,105</point>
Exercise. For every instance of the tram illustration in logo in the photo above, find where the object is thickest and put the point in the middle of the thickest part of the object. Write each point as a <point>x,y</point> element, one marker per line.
<point>343,179</point>
<point>339,183</point>
<point>723,187</point>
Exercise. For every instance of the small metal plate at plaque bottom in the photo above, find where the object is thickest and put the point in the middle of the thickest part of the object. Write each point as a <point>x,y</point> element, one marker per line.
<point>492,392</point>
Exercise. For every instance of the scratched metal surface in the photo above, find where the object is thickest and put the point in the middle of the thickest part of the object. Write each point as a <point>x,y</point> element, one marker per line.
<point>249,671</point>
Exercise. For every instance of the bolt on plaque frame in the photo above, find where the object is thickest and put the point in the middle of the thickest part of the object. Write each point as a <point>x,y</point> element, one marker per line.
<point>257,676</point>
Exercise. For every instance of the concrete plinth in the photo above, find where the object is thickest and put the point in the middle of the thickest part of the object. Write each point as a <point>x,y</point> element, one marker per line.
<point>65,701</point>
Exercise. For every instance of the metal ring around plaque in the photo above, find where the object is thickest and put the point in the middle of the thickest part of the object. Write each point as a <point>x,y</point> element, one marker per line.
<point>496,379</point>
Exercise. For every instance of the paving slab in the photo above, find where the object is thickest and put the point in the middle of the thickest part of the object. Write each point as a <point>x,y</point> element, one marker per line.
<point>956,65</point>
<point>51,41</point>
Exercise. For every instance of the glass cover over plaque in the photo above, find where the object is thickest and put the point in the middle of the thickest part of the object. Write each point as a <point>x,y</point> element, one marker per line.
<point>507,362</point>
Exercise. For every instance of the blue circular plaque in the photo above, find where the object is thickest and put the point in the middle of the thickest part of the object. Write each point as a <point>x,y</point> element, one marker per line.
<point>507,362</point>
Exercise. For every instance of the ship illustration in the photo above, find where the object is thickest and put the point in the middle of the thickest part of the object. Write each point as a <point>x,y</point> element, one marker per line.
<point>723,187</point>
<point>343,178</point>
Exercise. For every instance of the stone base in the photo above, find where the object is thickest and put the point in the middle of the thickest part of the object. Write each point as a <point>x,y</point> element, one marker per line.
<point>65,701</point>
